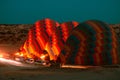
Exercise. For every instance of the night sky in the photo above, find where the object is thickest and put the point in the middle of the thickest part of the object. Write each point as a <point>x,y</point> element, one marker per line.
<point>29,11</point>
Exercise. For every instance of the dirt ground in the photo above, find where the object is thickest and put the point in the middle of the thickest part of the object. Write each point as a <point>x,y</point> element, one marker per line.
<point>36,72</point>
<point>41,73</point>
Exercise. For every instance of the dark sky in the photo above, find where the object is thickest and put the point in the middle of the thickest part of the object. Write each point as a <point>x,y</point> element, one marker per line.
<point>29,11</point>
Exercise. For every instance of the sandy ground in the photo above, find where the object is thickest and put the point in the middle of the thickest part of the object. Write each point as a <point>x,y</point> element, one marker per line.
<point>9,71</point>
<point>45,73</point>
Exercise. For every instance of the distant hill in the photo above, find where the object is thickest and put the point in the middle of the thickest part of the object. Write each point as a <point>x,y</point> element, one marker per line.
<point>117,29</point>
<point>11,34</point>
<point>16,34</point>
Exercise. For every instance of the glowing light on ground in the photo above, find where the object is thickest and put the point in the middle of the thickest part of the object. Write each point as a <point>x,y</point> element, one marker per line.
<point>75,66</point>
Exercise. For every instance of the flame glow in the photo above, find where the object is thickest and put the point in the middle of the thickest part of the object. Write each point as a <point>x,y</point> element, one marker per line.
<point>17,53</point>
<point>1,55</point>
<point>42,57</point>
<point>21,54</point>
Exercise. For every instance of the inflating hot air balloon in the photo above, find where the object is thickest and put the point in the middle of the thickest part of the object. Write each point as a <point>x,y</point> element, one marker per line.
<point>38,37</point>
<point>91,43</point>
<point>46,37</point>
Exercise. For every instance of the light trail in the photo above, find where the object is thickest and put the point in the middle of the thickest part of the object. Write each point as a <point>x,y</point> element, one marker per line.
<point>15,63</point>
<point>10,62</point>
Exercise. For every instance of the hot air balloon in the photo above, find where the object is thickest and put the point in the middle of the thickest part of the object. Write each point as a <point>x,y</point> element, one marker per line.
<point>38,37</point>
<point>92,42</point>
<point>46,36</point>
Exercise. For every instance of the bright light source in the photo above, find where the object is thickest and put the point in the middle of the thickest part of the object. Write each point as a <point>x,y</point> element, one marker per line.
<point>17,53</point>
<point>21,54</point>
<point>1,55</point>
<point>42,57</point>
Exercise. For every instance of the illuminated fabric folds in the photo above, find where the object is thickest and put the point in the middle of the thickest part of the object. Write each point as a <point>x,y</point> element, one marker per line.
<point>91,43</point>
